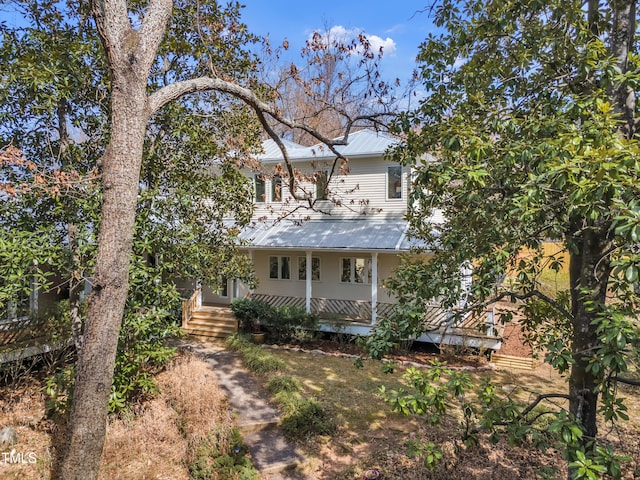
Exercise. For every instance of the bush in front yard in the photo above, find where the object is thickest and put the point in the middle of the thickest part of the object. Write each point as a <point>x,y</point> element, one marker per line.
<point>251,313</point>
<point>289,323</point>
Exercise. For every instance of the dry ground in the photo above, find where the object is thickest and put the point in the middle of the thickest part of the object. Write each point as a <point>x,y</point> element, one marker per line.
<point>155,444</point>
<point>152,444</point>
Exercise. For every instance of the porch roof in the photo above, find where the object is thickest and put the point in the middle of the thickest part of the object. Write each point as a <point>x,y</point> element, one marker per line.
<point>332,234</point>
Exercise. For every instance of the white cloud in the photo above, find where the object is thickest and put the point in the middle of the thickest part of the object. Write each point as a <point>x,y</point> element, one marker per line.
<point>387,45</point>
<point>338,33</point>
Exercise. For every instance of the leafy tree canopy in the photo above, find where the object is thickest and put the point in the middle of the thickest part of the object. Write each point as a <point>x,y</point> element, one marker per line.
<point>527,133</point>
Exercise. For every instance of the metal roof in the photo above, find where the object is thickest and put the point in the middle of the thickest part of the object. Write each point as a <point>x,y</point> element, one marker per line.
<point>331,234</point>
<point>361,143</point>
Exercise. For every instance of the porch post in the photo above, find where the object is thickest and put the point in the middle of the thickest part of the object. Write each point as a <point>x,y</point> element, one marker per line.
<point>199,287</point>
<point>308,282</point>
<point>374,287</point>
<point>254,269</point>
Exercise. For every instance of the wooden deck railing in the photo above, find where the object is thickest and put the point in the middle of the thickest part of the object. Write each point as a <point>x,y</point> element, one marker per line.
<point>190,305</point>
<point>436,318</point>
<point>355,310</point>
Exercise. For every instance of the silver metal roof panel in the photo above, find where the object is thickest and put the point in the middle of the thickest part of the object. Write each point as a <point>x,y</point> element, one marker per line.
<point>361,143</point>
<point>371,235</point>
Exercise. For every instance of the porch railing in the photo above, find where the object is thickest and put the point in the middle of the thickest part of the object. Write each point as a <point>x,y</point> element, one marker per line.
<point>355,310</point>
<point>436,318</point>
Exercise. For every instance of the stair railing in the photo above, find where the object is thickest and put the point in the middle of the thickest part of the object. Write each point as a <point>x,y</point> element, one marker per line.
<point>190,305</point>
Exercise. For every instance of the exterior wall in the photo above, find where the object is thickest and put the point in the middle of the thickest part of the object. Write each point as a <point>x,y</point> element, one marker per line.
<point>363,191</point>
<point>329,285</point>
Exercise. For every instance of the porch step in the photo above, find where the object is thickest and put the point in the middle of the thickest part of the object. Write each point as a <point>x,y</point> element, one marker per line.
<point>210,321</point>
<point>509,361</point>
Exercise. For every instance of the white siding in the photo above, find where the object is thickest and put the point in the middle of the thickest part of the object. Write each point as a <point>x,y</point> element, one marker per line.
<point>329,285</point>
<point>360,192</point>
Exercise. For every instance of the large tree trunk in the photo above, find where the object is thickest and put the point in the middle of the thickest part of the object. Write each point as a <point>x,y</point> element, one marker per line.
<point>589,270</point>
<point>121,170</point>
<point>130,53</point>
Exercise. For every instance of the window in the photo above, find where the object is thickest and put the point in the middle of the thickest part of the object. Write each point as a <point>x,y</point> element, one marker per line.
<point>315,268</point>
<point>223,290</point>
<point>276,188</point>
<point>322,185</point>
<point>394,182</point>
<point>259,188</point>
<point>355,270</point>
<point>280,268</point>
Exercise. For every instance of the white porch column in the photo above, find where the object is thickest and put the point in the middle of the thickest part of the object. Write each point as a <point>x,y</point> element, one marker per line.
<point>374,287</point>
<point>199,287</point>
<point>308,274</point>
<point>254,269</point>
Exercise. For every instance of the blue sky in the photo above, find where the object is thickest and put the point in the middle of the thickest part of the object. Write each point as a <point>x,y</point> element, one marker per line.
<point>399,24</point>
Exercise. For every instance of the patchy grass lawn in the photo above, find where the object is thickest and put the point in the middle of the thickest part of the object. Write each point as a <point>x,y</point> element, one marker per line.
<point>158,442</point>
<point>371,436</point>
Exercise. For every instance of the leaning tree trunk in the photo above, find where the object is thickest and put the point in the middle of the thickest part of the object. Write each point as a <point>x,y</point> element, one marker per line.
<point>130,54</point>
<point>121,170</point>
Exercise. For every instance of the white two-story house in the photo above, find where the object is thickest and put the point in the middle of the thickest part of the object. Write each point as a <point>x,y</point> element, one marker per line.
<point>332,249</point>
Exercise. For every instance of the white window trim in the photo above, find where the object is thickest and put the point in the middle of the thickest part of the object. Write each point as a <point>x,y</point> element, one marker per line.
<point>319,269</point>
<point>272,190</point>
<point>280,257</point>
<point>255,188</point>
<point>386,181</point>
<point>315,193</point>
<point>352,273</point>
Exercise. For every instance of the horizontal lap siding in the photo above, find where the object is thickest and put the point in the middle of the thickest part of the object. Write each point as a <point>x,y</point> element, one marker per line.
<point>362,192</point>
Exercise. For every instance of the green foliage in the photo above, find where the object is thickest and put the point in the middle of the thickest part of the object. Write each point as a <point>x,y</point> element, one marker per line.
<point>256,359</point>
<point>251,313</point>
<point>283,383</point>
<point>58,390</point>
<point>302,417</point>
<point>284,323</point>
<point>260,361</point>
<point>210,462</point>
<point>54,101</point>
<point>429,396</point>
<point>288,323</point>
<point>403,323</point>
<point>237,342</point>
<point>523,137</point>
<point>425,450</point>
<point>307,417</point>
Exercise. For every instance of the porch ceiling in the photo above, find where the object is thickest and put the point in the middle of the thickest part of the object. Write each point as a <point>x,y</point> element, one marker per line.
<point>332,234</point>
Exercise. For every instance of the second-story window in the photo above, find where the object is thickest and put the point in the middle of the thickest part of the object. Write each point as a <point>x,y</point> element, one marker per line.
<point>394,182</point>
<point>259,188</point>
<point>276,188</point>
<point>322,185</point>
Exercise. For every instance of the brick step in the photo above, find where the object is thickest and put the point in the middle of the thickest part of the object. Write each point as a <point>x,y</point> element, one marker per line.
<point>509,361</point>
